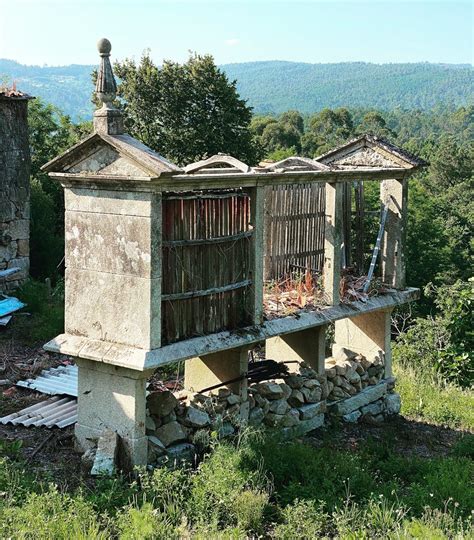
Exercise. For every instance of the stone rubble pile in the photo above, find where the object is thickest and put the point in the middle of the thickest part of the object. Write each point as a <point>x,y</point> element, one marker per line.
<point>348,373</point>
<point>352,389</point>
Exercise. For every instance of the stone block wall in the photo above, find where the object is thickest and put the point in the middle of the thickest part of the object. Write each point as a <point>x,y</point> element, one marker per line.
<point>14,190</point>
<point>352,389</point>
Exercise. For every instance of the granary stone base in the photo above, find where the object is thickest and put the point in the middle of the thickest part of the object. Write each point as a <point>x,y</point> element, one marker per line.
<point>352,388</point>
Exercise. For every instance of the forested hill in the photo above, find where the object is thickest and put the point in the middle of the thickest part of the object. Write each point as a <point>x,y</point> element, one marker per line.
<point>274,87</point>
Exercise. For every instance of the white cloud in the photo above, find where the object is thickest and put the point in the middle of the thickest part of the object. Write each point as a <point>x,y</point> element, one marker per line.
<point>232,42</point>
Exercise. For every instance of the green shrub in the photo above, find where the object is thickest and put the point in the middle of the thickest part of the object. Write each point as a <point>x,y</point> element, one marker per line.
<point>303,520</point>
<point>145,523</point>
<point>443,344</point>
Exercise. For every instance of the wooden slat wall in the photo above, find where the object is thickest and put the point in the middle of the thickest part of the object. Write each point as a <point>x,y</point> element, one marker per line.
<point>193,262</point>
<point>295,235</point>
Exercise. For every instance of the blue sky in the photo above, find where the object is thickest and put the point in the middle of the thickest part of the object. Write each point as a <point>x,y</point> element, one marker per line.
<point>58,32</point>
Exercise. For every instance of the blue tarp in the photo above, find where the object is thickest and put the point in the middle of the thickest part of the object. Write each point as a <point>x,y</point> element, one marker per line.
<point>9,305</point>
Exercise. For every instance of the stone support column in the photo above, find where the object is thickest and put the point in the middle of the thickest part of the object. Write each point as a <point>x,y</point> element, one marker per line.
<point>366,334</point>
<point>115,398</point>
<point>307,346</point>
<point>257,219</point>
<point>333,239</point>
<point>395,194</point>
<point>212,369</point>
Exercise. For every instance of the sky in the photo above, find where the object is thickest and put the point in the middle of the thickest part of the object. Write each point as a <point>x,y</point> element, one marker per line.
<point>60,32</point>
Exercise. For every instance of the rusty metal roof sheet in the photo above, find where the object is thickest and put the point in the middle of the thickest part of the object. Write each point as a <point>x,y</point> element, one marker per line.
<point>54,412</point>
<point>61,380</point>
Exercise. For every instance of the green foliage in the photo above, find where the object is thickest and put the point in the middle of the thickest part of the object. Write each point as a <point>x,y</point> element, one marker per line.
<point>52,515</point>
<point>444,343</point>
<point>223,491</point>
<point>303,520</point>
<point>50,133</point>
<point>185,111</point>
<point>46,308</point>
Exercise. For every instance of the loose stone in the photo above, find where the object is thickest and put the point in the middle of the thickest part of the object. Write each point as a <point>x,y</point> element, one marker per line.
<point>171,433</point>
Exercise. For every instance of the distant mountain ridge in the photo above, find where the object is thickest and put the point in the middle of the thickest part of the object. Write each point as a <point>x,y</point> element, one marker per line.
<point>276,86</point>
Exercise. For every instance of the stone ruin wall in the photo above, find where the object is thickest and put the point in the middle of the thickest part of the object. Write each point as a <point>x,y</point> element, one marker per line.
<point>353,389</point>
<point>14,190</point>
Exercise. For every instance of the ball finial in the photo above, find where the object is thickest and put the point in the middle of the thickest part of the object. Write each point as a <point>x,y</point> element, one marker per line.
<point>104,46</point>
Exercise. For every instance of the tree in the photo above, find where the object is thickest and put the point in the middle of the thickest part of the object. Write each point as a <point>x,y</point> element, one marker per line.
<point>327,129</point>
<point>374,123</point>
<point>50,133</point>
<point>185,111</point>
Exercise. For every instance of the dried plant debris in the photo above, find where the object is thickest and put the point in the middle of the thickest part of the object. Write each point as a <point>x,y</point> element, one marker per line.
<point>293,293</point>
<point>303,292</point>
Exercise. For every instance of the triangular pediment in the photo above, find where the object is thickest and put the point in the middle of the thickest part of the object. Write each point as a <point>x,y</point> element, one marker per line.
<point>370,152</point>
<point>296,163</point>
<point>111,156</point>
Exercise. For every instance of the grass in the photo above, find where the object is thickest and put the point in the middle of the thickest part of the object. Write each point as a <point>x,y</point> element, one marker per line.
<point>434,401</point>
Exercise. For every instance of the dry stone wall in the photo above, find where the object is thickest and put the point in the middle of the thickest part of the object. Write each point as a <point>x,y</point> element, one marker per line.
<point>14,190</point>
<point>352,389</point>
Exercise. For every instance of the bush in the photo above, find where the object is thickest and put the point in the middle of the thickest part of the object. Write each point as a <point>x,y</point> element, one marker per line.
<point>443,344</point>
<point>303,520</point>
<point>46,242</point>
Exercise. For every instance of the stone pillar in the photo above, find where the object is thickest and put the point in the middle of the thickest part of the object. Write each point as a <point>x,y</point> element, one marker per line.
<point>395,194</point>
<point>307,346</point>
<point>111,397</point>
<point>14,190</point>
<point>333,239</point>
<point>366,334</point>
<point>212,369</point>
<point>257,220</point>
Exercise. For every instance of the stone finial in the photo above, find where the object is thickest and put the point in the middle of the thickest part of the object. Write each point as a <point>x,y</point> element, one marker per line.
<point>108,119</point>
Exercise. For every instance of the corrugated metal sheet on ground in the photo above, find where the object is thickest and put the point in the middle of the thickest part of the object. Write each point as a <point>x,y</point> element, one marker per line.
<point>54,412</point>
<point>61,380</point>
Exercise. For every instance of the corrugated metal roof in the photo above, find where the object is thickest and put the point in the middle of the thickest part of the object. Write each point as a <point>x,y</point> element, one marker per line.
<point>54,412</point>
<point>61,380</point>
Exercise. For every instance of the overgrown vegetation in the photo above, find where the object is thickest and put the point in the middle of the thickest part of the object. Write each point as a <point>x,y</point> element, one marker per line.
<point>443,345</point>
<point>258,486</point>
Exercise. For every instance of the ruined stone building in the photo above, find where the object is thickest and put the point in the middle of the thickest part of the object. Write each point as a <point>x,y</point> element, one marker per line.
<point>14,188</point>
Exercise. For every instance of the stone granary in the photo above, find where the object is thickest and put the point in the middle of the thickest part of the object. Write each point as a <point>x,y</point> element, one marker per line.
<point>14,188</point>
<point>165,265</point>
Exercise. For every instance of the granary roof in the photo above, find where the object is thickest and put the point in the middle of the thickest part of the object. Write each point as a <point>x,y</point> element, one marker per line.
<point>92,155</point>
<point>370,151</point>
<point>296,163</point>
